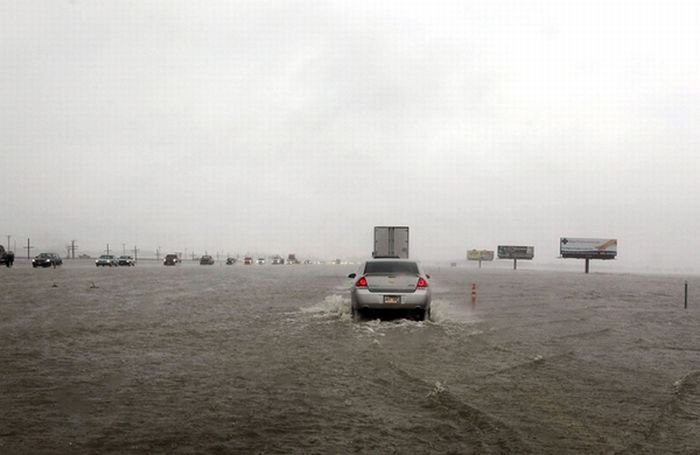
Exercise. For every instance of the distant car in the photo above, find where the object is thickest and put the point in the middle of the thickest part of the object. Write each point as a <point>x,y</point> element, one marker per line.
<point>260,261</point>
<point>126,260</point>
<point>47,260</point>
<point>390,285</point>
<point>171,259</point>
<point>230,261</point>
<point>248,260</point>
<point>107,260</point>
<point>6,257</point>
<point>206,260</point>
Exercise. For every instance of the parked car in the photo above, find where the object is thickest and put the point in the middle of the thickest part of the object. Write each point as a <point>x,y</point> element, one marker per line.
<point>171,259</point>
<point>126,261</point>
<point>248,260</point>
<point>260,261</point>
<point>107,260</point>
<point>206,260</point>
<point>47,260</point>
<point>230,261</point>
<point>390,285</point>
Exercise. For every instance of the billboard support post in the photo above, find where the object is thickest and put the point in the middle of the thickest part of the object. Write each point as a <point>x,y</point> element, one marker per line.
<point>515,263</point>
<point>588,264</point>
<point>685,305</point>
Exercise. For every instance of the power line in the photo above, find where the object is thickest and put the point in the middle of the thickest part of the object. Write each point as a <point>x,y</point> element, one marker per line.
<point>29,249</point>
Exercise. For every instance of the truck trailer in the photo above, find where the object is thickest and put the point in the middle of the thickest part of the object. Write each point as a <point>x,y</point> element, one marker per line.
<point>390,241</point>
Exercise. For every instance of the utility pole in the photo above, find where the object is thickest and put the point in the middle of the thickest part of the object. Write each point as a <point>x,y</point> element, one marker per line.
<point>123,249</point>
<point>136,254</point>
<point>73,247</point>
<point>8,242</point>
<point>29,249</point>
<point>107,250</point>
<point>158,254</point>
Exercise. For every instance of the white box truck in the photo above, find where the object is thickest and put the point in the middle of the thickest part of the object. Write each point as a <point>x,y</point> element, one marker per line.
<point>390,241</point>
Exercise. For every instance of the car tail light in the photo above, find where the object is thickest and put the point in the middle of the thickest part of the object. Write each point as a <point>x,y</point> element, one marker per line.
<point>422,284</point>
<point>361,283</point>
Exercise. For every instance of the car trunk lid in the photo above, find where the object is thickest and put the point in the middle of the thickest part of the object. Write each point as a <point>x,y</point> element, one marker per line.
<point>391,283</point>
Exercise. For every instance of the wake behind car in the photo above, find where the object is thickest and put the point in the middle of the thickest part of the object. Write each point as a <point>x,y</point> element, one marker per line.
<point>391,285</point>
<point>107,260</point>
<point>127,261</point>
<point>47,260</point>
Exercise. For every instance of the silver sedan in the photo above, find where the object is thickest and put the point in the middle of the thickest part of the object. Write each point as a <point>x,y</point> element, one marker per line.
<point>390,285</point>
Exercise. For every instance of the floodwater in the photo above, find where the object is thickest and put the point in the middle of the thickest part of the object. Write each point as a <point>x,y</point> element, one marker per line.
<point>266,360</point>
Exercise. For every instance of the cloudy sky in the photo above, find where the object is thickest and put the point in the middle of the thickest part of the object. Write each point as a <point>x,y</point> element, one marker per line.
<point>297,126</point>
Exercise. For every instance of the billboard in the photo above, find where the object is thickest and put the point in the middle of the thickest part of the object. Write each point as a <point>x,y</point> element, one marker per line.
<point>570,247</point>
<point>515,252</point>
<point>480,255</point>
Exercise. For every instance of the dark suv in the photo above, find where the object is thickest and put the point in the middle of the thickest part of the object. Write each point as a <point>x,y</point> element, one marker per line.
<point>6,257</point>
<point>171,259</point>
<point>206,260</point>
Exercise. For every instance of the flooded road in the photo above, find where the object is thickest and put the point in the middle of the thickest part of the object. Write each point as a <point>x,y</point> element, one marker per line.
<point>266,359</point>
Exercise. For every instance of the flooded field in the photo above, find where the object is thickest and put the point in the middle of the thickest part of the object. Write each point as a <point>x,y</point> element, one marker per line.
<point>266,360</point>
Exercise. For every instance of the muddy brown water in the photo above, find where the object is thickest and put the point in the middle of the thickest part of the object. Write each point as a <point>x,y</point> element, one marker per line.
<point>266,360</point>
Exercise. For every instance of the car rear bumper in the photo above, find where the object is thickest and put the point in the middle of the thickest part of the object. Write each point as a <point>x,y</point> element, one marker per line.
<point>364,299</point>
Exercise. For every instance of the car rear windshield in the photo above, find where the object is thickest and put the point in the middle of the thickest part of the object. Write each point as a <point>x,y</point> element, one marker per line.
<point>395,267</point>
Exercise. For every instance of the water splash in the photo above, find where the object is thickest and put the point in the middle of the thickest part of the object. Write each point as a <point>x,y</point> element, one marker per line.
<point>333,305</point>
<point>438,388</point>
<point>445,311</point>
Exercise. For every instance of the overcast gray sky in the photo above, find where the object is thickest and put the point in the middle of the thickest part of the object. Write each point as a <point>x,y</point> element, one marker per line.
<point>281,126</point>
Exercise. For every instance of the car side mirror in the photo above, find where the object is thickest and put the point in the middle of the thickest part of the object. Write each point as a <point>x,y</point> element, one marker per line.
<point>352,275</point>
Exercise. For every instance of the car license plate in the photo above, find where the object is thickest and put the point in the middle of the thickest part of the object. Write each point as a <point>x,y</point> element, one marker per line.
<point>392,299</point>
